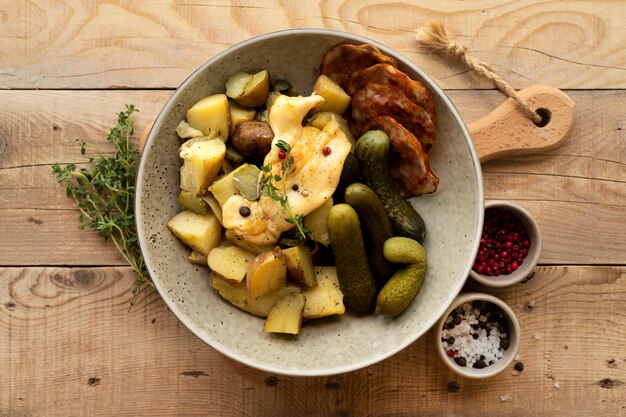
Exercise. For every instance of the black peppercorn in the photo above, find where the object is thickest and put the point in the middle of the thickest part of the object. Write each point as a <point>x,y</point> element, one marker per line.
<point>295,187</point>
<point>504,344</point>
<point>480,364</point>
<point>450,340</point>
<point>519,366</point>
<point>244,211</point>
<point>461,361</point>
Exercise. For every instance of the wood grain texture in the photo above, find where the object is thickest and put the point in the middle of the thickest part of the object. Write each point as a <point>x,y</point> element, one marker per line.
<point>156,44</point>
<point>67,338</point>
<point>582,181</point>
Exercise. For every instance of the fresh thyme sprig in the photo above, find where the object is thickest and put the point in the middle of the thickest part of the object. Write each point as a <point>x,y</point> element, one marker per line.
<point>269,188</point>
<point>105,194</point>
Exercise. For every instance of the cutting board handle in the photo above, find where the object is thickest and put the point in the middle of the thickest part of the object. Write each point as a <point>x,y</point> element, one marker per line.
<point>507,131</point>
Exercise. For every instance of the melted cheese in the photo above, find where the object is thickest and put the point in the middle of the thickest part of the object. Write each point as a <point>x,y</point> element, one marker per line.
<point>316,174</point>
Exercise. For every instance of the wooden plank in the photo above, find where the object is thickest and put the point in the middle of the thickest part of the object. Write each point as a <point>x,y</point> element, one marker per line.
<point>82,44</point>
<point>67,338</point>
<point>576,191</point>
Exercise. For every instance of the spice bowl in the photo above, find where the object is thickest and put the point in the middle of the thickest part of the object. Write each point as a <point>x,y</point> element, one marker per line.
<point>478,336</point>
<point>510,245</point>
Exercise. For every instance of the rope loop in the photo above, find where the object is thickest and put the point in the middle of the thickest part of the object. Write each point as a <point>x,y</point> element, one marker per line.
<point>433,37</point>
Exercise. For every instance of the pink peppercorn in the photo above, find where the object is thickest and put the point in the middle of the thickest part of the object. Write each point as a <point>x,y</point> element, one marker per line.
<point>503,245</point>
<point>326,151</point>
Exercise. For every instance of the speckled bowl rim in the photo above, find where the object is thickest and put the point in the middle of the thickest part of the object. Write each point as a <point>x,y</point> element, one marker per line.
<point>431,85</point>
<point>511,352</point>
<point>530,262</point>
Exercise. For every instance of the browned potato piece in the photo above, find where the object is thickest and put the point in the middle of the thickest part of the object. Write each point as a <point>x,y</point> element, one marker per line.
<point>253,138</point>
<point>267,272</point>
<point>247,89</point>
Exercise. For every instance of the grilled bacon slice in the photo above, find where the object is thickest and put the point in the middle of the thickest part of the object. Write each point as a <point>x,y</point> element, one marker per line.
<point>410,166</point>
<point>376,99</point>
<point>342,60</point>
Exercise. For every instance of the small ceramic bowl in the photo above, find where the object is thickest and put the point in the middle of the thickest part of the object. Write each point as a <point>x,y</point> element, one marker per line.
<point>513,336</point>
<point>531,259</point>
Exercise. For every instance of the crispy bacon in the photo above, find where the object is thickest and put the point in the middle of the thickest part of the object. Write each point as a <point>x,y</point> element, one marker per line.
<point>410,166</point>
<point>376,99</point>
<point>342,60</point>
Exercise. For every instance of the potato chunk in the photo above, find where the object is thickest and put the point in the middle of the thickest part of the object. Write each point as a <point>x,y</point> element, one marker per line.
<point>201,232</point>
<point>337,100</point>
<point>202,160</point>
<point>300,266</point>
<point>286,315</point>
<point>326,298</point>
<point>248,90</point>
<point>211,115</point>
<point>239,114</point>
<point>230,263</point>
<point>238,296</point>
<point>317,222</point>
<point>267,272</point>
<point>224,187</point>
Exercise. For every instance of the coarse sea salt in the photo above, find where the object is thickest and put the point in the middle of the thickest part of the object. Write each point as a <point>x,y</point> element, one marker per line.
<point>475,334</point>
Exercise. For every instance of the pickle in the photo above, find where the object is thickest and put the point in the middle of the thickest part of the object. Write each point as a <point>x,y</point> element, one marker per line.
<point>398,293</point>
<point>355,277</point>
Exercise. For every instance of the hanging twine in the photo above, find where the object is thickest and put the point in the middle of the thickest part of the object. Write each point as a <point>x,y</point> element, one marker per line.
<point>434,38</point>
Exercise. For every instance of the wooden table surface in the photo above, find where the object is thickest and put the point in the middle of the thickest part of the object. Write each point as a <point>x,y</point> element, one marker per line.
<point>69,346</point>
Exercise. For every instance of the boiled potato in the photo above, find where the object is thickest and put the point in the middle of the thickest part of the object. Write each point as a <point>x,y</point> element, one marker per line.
<point>197,258</point>
<point>248,90</point>
<point>267,272</point>
<point>326,298</point>
<point>239,114</point>
<point>224,187</point>
<point>211,115</point>
<point>317,222</point>
<point>300,266</point>
<point>238,296</point>
<point>201,232</point>
<point>337,100</point>
<point>230,263</point>
<point>185,131</point>
<point>286,315</point>
<point>202,160</point>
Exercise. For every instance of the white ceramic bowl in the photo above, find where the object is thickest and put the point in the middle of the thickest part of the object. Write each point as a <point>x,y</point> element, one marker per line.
<point>530,262</point>
<point>514,335</point>
<point>453,215</point>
